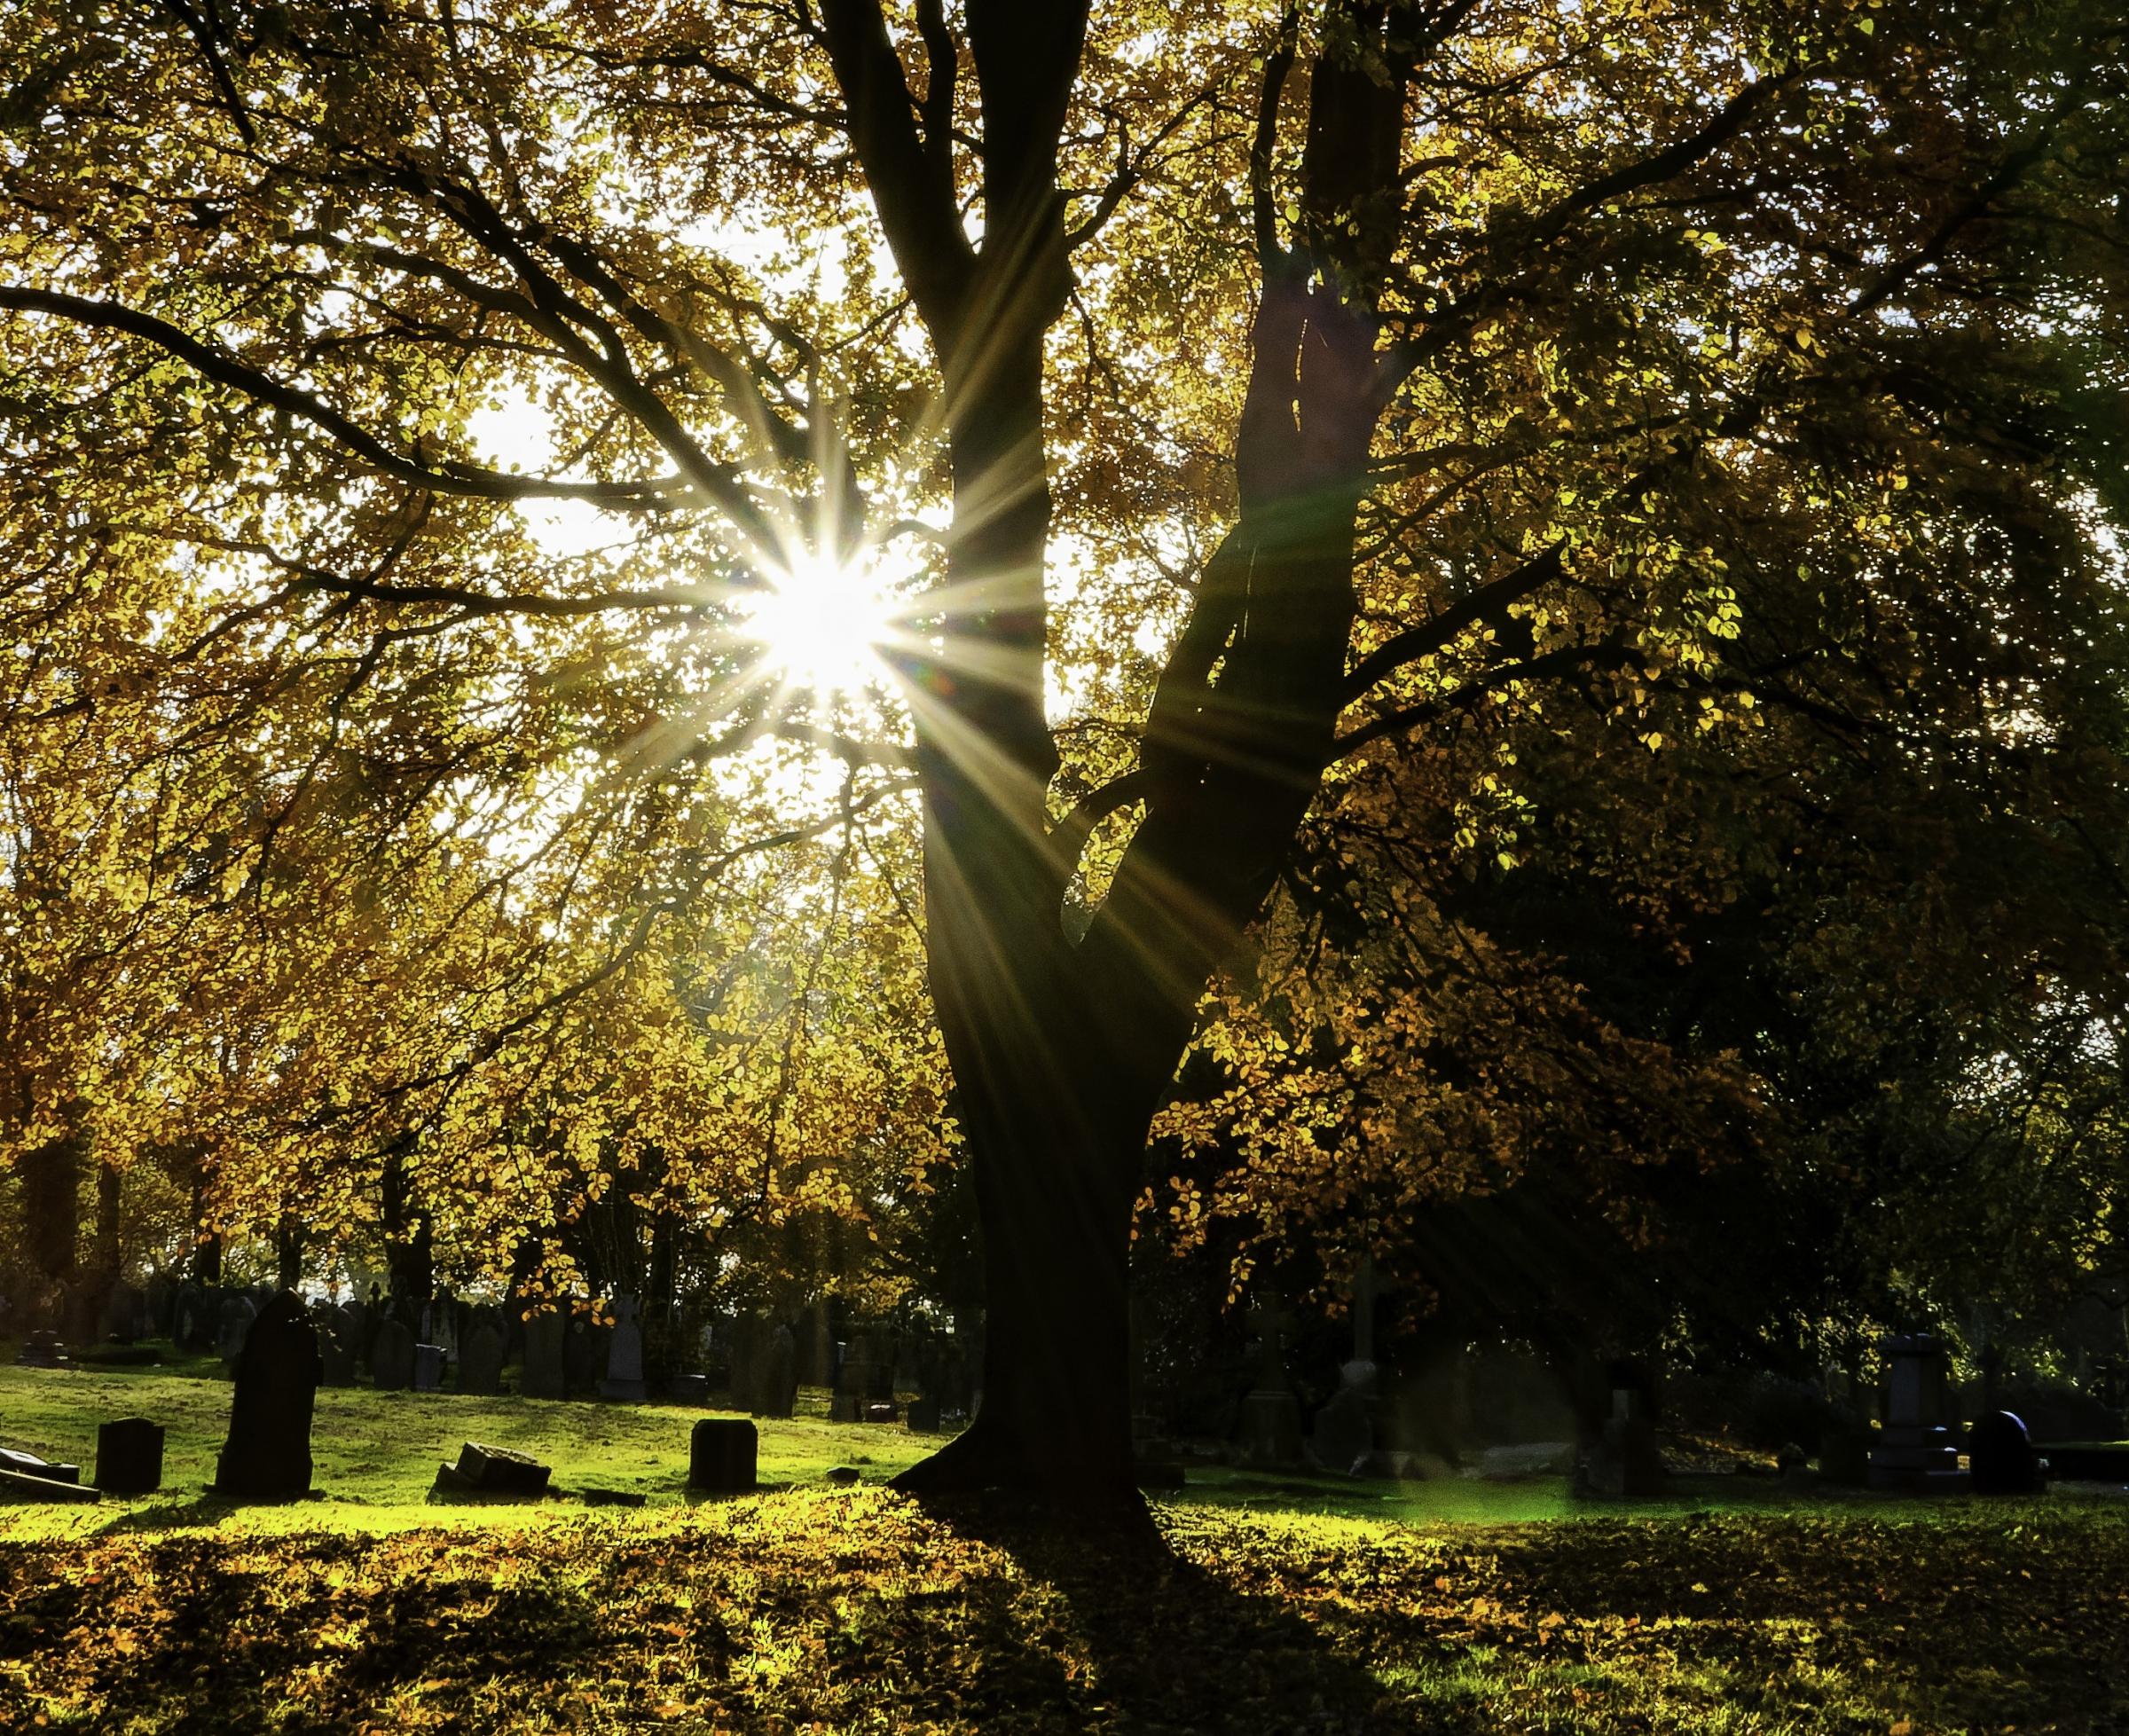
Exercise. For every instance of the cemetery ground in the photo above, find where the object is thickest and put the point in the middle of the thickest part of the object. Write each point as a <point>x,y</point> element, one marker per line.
<point>1266,1605</point>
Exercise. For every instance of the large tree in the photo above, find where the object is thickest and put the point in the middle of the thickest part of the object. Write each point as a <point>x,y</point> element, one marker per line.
<point>1297,379</point>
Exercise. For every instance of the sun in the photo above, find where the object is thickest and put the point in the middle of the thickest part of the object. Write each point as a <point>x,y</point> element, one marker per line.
<point>819,623</point>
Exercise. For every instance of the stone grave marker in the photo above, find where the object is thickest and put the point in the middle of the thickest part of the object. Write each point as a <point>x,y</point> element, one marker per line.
<point>129,1456</point>
<point>42,1350</point>
<point>1625,1460</point>
<point>545,1370</point>
<point>776,1376</point>
<point>158,1303</point>
<point>125,1314</point>
<point>2002,1456</point>
<point>267,1456</point>
<point>581,1357</point>
<point>624,1354</point>
<point>690,1389</point>
<point>1914,1450</point>
<point>721,1455</point>
<point>392,1358</point>
<point>335,1345</point>
<point>428,1368</point>
<point>1271,1428</point>
<point>491,1474</point>
<point>232,1328</point>
<point>481,1363</point>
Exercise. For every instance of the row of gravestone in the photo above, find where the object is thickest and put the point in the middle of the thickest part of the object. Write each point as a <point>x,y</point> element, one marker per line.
<point>267,1453</point>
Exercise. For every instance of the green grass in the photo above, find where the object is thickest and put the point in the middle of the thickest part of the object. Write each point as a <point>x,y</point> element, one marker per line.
<point>375,1454</point>
<point>1265,1605</point>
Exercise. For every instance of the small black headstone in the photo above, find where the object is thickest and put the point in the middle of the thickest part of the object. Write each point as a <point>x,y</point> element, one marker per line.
<point>335,1346</point>
<point>267,1455</point>
<point>129,1456</point>
<point>2002,1456</point>
<point>428,1368</point>
<point>690,1389</point>
<point>392,1358</point>
<point>721,1455</point>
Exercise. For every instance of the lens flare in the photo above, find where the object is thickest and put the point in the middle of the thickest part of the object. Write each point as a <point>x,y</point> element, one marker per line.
<point>819,623</point>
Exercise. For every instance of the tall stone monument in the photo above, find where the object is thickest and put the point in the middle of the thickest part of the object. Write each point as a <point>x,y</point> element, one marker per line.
<point>268,1454</point>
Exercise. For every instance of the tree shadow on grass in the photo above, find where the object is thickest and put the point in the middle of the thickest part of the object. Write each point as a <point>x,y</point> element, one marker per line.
<point>1171,1647</point>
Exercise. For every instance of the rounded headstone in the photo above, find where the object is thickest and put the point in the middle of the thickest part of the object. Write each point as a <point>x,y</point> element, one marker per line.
<point>2001,1457</point>
<point>129,1456</point>
<point>268,1454</point>
<point>392,1358</point>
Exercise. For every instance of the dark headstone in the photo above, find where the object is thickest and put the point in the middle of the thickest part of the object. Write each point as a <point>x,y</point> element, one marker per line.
<point>192,1324</point>
<point>721,1452</point>
<point>844,1474</point>
<point>923,1416</point>
<point>335,1349</point>
<point>428,1368</point>
<point>1625,1461</point>
<point>776,1376</point>
<point>392,1358</point>
<point>42,1350</point>
<point>580,1357</point>
<point>1345,1429</point>
<point>546,1368</point>
<point>129,1456</point>
<point>268,1454</point>
<point>125,1314</point>
<point>159,1305</point>
<point>2002,1458</point>
<point>1844,1455</point>
<point>690,1389</point>
<point>1271,1419</point>
<point>481,1364</point>
<point>1915,1449</point>
<point>623,1377</point>
<point>234,1321</point>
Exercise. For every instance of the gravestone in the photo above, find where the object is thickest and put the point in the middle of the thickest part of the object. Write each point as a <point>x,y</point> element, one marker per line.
<point>125,1314</point>
<point>335,1345</point>
<point>480,1365</point>
<point>193,1326</point>
<point>1625,1460</point>
<point>722,1453</point>
<point>232,1328</point>
<point>428,1368</point>
<point>624,1354</point>
<point>129,1456</point>
<point>580,1357</point>
<point>159,1305</point>
<point>1914,1450</point>
<point>1844,1454</point>
<point>690,1389</point>
<point>923,1415</point>
<point>392,1358</point>
<point>490,1474</point>
<point>1344,1435</point>
<point>543,1371</point>
<point>776,1376</point>
<point>1270,1423</point>
<point>2002,1458</point>
<point>28,1464</point>
<point>42,1350</point>
<point>267,1456</point>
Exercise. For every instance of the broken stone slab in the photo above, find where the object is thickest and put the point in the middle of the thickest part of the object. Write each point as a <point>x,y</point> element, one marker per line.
<point>19,1486</point>
<point>491,1474</point>
<point>28,1464</point>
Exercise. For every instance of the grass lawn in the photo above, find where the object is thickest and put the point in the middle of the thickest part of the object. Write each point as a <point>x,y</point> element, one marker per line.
<point>1261,1609</point>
